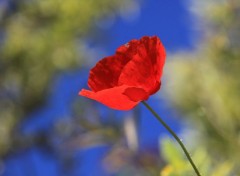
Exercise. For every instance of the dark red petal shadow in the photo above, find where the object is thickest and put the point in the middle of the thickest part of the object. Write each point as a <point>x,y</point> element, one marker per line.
<point>136,94</point>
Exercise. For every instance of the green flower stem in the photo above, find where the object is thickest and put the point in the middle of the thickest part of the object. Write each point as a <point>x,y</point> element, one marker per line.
<point>175,136</point>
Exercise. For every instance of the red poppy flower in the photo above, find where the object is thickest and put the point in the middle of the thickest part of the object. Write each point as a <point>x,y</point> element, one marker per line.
<point>131,75</point>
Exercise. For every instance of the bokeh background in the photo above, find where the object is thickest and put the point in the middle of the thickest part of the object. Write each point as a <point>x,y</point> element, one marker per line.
<point>47,48</point>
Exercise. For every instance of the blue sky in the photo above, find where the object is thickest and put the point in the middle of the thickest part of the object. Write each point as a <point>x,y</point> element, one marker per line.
<point>171,21</point>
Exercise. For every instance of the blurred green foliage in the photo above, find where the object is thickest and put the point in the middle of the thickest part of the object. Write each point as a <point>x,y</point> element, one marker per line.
<point>205,86</point>
<point>179,166</point>
<point>40,39</point>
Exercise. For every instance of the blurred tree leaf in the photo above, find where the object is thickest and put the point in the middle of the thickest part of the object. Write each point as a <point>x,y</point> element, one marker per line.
<point>178,165</point>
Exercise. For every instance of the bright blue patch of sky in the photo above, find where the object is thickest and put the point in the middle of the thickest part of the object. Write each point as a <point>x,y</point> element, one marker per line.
<point>170,20</point>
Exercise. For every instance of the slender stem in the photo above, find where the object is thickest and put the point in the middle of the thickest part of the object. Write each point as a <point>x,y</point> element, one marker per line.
<point>175,136</point>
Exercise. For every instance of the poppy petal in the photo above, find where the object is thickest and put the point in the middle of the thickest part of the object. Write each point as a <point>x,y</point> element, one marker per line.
<point>106,72</point>
<point>145,68</point>
<point>156,53</point>
<point>156,87</point>
<point>113,97</point>
<point>139,70</point>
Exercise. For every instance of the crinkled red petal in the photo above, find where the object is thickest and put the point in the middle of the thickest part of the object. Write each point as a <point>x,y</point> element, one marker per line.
<point>106,73</point>
<point>145,68</point>
<point>156,53</point>
<point>112,97</point>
